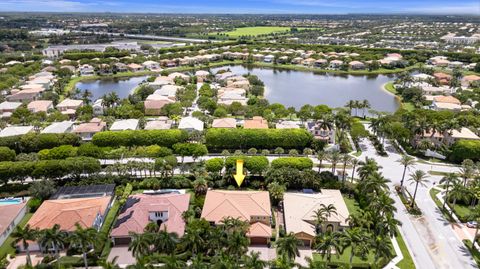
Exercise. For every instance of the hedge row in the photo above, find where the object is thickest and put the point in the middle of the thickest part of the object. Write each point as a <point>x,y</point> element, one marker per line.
<point>300,163</point>
<point>33,142</point>
<point>219,139</point>
<point>465,149</point>
<point>130,138</point>
<point>48,168</point>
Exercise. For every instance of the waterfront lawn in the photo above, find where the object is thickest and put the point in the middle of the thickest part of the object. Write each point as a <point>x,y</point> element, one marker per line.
<point>389,87</point>
<point>255,31</point>
<point>7,248</point>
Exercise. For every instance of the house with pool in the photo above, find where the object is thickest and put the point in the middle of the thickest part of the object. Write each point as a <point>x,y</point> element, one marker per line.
<point>12,210</point>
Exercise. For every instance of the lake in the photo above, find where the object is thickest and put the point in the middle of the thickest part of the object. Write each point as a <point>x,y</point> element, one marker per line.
<point>122,86</point>
<point>297,88</point>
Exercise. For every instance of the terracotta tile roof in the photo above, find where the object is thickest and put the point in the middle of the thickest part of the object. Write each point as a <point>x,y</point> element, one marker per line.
<point>9,213</point>
<point>224,123</point>
<point>93,126</point>
<point>447,99</point>
<point>259,229</point>
<point>255,123</point>
<point>40,105</point>
<point>67,212</point>
<point>237,204</point>
<point>135,214</point>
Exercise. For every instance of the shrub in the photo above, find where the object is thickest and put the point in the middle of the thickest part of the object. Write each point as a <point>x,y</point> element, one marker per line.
<point>465,149</point>
<point>254,164</point>
<point>90,150</point>
<point>129,138</point>
<point>190,149</point>
<point>358,130</point>
<point>300,163</point>
<point>58,153</point>
<point>214,165</point>
<point>34,204</point>
<point>7,154</point>
<point>33,142</point>
<point>223,138</point>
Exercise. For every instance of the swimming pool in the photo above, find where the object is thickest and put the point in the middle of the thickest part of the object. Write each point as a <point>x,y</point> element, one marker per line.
<point>10,201</point>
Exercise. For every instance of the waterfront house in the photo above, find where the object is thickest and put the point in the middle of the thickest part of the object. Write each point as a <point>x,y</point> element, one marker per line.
<point>69,106</point>
<point>320,63</point>
<point>452,136</point>
<point>446,103</point>
<point>356,65</point>
<point>175,75</point>
<point>86,70</point>
<point>269,58</point>
<point>321,131</point>
<point>120,67</point>
<point>169,91</point>
<point>299,214</point>
<point>133,67</point>
<point>88,129</point>
<point>98,107</point>
<point>141,209</point>
<point>151,65</point>
<point>336,64</point>
<point>250,206</point>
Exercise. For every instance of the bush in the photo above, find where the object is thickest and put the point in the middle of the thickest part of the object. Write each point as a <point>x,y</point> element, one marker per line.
<point>58,153</point>
<point>214,165</point>
<point>34,204</point>
<point>300,163</point>
<point>7,154</point>
<point>465,149</point>
<point>33,142</point>
<point>222,138</point>
<point>190,149</point>
<point>130,138</point>
<point>358,130</point>
<point>89,150</point>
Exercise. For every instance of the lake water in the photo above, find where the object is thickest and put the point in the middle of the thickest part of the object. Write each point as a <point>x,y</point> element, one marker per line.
<point>296,88</point>
<point>122,86</point>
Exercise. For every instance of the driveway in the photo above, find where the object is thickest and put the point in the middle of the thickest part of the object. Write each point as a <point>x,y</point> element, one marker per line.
<point>266,253</point>
<point>125,257</point>
<point>304,253</point>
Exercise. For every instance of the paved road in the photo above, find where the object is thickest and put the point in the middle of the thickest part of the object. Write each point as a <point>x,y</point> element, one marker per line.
<point>432,241</point>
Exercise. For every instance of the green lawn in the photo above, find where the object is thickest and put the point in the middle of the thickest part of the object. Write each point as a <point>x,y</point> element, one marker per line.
<point>407,261</point>
<point>352,205</point>
<point>473,251</point>
<point>255,31</point>
<point>7,248</point>
<point>107,226</point>
<point>389,87</point>
<point>462,212</point>
<point>345,258</point>
<point>446,214</point>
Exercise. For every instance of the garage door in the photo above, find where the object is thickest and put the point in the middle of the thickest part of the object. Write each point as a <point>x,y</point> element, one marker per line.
<point>306,243</point>
<point>121,241</point>
<point>258,241</point>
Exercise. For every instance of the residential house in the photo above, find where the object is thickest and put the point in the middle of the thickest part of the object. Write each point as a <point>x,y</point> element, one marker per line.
<point>120,67</point>
<point>161,123</point>
<point>86,70</point>
<point>15,130</point>
<point>175,75</point>
<point>202,75</point>
<point>452,136</point>
<point>135,67</point>
<point>336,64</point>
<point>59,128</point>
<point>287,125</point>
<point>190,124</point>
<point>105,69</point>
<point>320,63</point>
<point>446,103</point>
<point>154,103</point>
<point>321,131</point>
<point>299,214</point>
<point>442,78</point>
<point>40,106</point>
<point>356,65</point>
<point>98,107</point>
<point>7,108</point>
<point>160,82</point>
<point>227,96</point>
<point>69,106</point>
<point>255,123</point>
<point>123,125</point>
<point>269,58</point>
<point>88,129</point>
<point>468,80</point>
<point>141,209</point>
<point>25,96</point>
<point>11,214</point>
<point>224,123</point>
<point>250,206</point>
<point>239,82</point>
<point>169,91</point>
<point>151,65</point>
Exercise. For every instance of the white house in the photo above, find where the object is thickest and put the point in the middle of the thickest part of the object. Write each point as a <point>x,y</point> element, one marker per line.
<point>190,124</point>
<point>122,125</point>
<point>58,128</point>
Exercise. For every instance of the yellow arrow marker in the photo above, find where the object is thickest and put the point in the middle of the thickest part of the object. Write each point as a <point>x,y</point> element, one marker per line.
<point>239,176</point>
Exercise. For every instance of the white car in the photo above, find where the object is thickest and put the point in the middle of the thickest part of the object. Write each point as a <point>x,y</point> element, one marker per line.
<point>472,224</point>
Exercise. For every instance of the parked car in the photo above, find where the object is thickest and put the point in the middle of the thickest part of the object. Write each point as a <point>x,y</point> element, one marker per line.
<point>472,224</point>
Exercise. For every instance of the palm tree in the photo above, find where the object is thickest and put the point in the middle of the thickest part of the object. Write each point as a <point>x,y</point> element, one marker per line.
<point>365,105</point>
<point>354,163</point>
<point>327,243</point>
<point>24,235</point>
<point>419,177</point>
<point>140,245</point>
<point>237,244</point>
<point>53,237</point>
<point>345,159</point>
<point>475,215</point>
<point>253,261</point>
<point>381,248</point>
<point>406,161</point>
<point>350,105</point>
<point>467,170</point>
<point>448,180</point>
<point>367,168</point>
<point>457,192</point>
<point>334,158</point>
<point>84,239</point>
<point>109,265</point>
<point>357,240</point>
<point>165,242</point>
<point>193,240</point>
<point>288,246</point>
<point>172,262</point>
<point>321,156</point>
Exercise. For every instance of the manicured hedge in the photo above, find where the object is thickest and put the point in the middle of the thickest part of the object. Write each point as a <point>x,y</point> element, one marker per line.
<point>7,154</point>
<point>33,142</point>
<point>253,164</point>
<point>465,149</point>
<point>300,163</point>
<point>219,139</point>
<point>130,138</point>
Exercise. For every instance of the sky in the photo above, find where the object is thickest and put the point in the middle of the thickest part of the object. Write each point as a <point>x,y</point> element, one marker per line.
<point>248,6</point>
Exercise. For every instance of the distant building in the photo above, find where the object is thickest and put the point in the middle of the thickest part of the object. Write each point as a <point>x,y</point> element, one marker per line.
<point>88,129</point>
<point>224,123</point>
<point>255,123</point>
<point>58,128</point>
<point>15,130</point>
<point>123,125</point>
<point>190,124</point>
